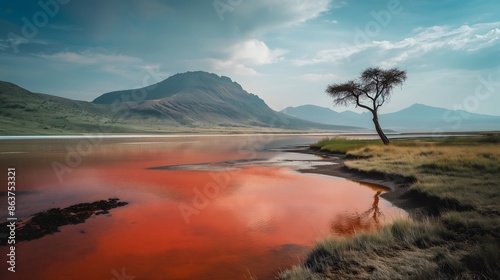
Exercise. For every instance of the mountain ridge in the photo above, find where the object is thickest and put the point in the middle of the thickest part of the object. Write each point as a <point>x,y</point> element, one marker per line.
<point>172,85</point>
<point>417,117</point>
<point>198,98</point>
<point>203,102</point>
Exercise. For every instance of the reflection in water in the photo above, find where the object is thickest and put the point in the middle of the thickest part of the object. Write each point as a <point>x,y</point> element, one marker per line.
<point>349,223</point>
<point>263,220</point>
<point>375,210</point>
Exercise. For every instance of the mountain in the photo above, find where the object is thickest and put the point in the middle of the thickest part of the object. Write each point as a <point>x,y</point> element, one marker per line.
<point>196,98</point>
<point>417,117</point>
<point>200,99</point>
<point>26,113</point>
<point>183,103</point>
<point>328,116</point>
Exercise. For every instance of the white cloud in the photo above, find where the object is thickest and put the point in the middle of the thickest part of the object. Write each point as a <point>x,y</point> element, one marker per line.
<point>255,52</point>
<point>243,56</point>
<point>464,38</point>
<point>230,67</point>
<point>332,55</point>
<point>487,39</point>
<point>420,42</point>
<point>303,10</point>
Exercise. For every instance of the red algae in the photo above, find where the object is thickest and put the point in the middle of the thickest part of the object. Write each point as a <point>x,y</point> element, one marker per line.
<point>248,221</point>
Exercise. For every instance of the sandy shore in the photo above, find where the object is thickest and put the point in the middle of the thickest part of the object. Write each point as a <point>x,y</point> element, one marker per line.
<point>398,186</point>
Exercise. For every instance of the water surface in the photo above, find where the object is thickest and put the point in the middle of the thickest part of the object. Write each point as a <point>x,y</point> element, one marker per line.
<point>206,207</point>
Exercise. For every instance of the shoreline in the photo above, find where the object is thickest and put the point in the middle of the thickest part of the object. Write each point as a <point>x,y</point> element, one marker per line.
<point>452,229</point>
<point>243,132</point>
<point>399,192</point>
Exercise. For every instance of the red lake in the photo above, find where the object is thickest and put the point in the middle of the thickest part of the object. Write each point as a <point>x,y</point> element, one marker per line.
<point>200,207</point>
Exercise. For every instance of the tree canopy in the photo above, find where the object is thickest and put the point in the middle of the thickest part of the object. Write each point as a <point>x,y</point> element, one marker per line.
<point>370,91</point>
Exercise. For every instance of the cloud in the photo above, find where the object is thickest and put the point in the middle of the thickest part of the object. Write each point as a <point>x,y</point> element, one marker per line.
<point>274,13</point>
<point>92,58</point>
<point>470,38</point>
<point>117,70</point>
<point>115,18</point>
<point>339,4</point>
<point>228,66</point>
<point>13,42</point>
<point>332,55</point>
<point>242,57</point>
<point>317,77</point>
<point>255,52</point>
<point>301,10</point>
<point>113,63</point>
<point>155,73</point>
<point>174,31</point>
<point>463,38</point>
<point>486,40</point>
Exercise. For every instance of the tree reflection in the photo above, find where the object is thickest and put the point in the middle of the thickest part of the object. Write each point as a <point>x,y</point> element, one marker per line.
<point>348,223</point>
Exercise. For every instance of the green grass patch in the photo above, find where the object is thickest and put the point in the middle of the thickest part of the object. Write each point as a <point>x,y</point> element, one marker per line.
<point>342,145</point>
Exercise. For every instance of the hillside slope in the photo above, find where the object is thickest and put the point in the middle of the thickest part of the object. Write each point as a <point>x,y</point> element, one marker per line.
<point>185,103</point>
<point>26,113</point>
<point>200,98</point>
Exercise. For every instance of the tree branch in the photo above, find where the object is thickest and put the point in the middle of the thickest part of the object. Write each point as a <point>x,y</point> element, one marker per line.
<point>375,84</point>
<point>363,106</point>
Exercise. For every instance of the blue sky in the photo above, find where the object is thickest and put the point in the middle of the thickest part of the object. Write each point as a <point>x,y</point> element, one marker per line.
<point>285,51</point>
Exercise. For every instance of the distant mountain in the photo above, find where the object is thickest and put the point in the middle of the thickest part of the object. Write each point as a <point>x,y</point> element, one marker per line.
<point>183,103</point>
<point>417,117</point>
<point>328,116</point>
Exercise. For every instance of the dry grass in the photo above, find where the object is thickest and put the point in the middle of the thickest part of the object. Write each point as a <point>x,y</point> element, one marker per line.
<point>468,174</point>
<point>398,251</point>
<point>456,244</point>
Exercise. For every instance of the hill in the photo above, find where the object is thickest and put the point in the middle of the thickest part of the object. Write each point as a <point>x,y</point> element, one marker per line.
<point>26,113</point>
<point>200,99</point>
<point>184,103</point>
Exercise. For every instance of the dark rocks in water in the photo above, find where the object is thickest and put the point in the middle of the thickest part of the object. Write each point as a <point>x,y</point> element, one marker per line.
<point>48,222</point>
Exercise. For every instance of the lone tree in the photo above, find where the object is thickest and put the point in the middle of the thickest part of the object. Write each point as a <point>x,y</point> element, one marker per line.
<point>370,91</point>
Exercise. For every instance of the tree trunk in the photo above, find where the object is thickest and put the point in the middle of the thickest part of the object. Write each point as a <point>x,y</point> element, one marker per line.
<point>379,130</point>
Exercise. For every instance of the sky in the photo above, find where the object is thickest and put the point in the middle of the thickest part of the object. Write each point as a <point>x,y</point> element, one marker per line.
<point>285,51</point>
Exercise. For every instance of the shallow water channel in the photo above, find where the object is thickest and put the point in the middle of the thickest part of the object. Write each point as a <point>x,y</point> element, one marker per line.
<point>210,207</point>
